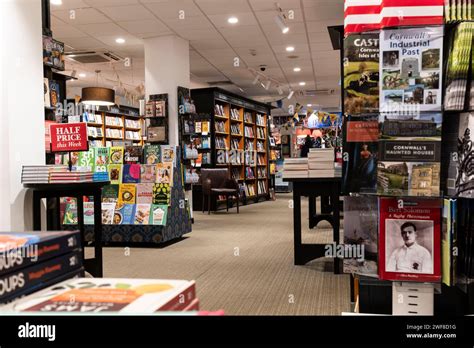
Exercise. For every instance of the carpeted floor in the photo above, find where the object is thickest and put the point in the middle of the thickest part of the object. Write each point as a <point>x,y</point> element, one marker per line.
<point>244,263</point>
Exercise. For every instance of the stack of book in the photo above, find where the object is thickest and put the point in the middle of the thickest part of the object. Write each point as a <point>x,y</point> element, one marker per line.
<point>321,163</point>
<point>295,168</point>
<point>102,295</point>
<point>67,176</point>
<point>30,261</point>
<point>40,174</point>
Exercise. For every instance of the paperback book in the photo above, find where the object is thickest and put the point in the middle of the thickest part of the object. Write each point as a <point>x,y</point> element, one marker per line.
<point>164,173</point>
<point>144,193</point>
<point>148,173</point>
<point>152,154</point>
<point>465,156</point>
<point>88,213</point>
<point>161,194</point>
<point>101,159</point>
<point>108,213</point>
<point>449,242</point>
<point>127,194</point>
<point>115,173</point>
<point>142,214</point>
<point>110,193</point>
<point>159,214</point>
<point>124,214</point>
<point>131,173</point>
<point>133,154</point>
<point>116,154</point>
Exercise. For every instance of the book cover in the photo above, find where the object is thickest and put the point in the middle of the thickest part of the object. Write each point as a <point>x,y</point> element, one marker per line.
<point>47,97</point>
<point>152,154</point>
<point>205,126</point>
<point>410,239</point>
<point>101,159</point>
<point>54,93</point>
<point>116,155</point>
<point>360,235</point>
<point>127,194</point>
<point>159,214</point>
<point>161,194</point>
<point>110,193</point>
<point>144,193</point>
<point>449,242</point>
<point>131,173</point>
<point>156,134</point>
<point>70,215</point>
<point>147,173</point>
<point>18,281</point>
<point>133,154</point>
<point>21,249</point>
<point>142,214</point>
<point>115,173</point>
<point>123,295</point>
<point>361,73</point>
<point>86,159</point>
<point>198,126</point>
<point>168,153</point>
<point>108,210</point>
<point>124,214</point>
<point>150,109</point>
<point>164,173</point>
<point>410,69</point>
<point>160,108</point>
<point>465,156</point>
<point>360,148</point>
<point>88,213</point>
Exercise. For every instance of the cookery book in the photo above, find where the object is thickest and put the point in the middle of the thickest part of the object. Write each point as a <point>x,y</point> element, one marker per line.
<point>96,295</point>
<point>147,173</point>
<point>410,239</point>
<point>101,159</point>
<point>131,173</point>
<point>86,159</point>
<point>110,193</point>
<point>152,154</point>
<point>159,214</point>
<point>70,215</point>
<point>360,235</point>
<point>127,193</point>
<point>142,214</point>
<point>88,213</point>
<point>115,173</point>
<point>145,193</point>
<point>133,154</point>
<point>116,155</point>
<point>168,153</point>
<point>108,213</point>
<point>18,281</point>
<point>161,194</point>
<point>124,214</point>
<point>21,249</point>
<point>164,173</point>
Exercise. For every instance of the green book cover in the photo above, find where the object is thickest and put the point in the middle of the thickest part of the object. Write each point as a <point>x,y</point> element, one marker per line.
<point>161,194</point>
<point>152,154</point>
<point>101,159</point>
<point>70,215</point>
<point>159,214</point>
<point>116,155</point>
<point>86,159</point>
<point>110,194</point>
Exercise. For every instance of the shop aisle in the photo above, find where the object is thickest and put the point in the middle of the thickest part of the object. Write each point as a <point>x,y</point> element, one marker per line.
<point>243,264</point>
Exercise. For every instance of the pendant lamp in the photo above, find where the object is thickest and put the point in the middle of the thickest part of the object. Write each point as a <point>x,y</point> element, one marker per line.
<point>99,96</point>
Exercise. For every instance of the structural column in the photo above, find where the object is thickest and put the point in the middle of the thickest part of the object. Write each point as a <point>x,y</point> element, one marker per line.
<point>21,107</point>
<point>166,68</point>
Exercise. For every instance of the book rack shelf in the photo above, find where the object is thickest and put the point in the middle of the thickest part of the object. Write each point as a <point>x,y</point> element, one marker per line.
<point>239,141</point>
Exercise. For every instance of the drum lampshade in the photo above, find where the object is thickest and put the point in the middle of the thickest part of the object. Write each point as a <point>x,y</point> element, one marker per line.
<point>98,96</point>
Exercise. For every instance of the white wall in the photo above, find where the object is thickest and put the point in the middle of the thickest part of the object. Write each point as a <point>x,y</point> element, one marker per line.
<point>21,105</point>
<point>166,68</point>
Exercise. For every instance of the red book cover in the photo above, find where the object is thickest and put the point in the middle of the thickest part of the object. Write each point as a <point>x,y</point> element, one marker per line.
<point>410,239</point>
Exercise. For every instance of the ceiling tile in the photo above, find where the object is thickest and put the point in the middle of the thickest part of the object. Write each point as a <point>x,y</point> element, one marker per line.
<point>82,16</point>
<point>265,5</point>
<point>83,43</point>
<point>245,18</point>
<point>62,32</point>
<point>189,23</point>
<point>170,9</point>
<point>102,29</point>
<point>227,7</point>
<point>329,11</point>
<point>129,41</point>
<point>104,3</point>
<point>200,45</point>
<point>69,4</point>
<point>144,26</point>
<point>127,13</point>
<point>268,17</point>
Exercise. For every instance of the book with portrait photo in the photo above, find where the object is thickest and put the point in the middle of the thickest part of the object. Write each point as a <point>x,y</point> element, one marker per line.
<point>410,239</point>
<point>164,173</point>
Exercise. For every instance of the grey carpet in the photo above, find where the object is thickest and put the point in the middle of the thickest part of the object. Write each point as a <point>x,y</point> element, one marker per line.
<point>243,263</point>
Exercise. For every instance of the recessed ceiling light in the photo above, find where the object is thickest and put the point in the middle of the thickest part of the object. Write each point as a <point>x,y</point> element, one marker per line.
<point>82,75</point>
<point>310,105</point>
<point>297,69</point>
<point>233,20</point>
<point>302,83</point>
<point>290,49</point>
<point>56,2</point>
<point>120,40</point>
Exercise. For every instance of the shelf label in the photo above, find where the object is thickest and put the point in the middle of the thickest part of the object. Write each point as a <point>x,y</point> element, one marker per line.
<point>69,137</point>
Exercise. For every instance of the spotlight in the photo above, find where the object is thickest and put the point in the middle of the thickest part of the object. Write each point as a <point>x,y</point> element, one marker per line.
<point>268,84</point>
<point>281,24</point>
<point>280,90</point>
<point>256,80</point>
<point>291,94</point>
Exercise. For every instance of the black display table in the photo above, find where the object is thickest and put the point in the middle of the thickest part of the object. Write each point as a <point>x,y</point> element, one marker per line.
<point>78,191</point>
<point>313,187</point>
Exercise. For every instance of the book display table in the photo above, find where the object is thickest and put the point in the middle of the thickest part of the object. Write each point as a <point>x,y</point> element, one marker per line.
<point>78,191</point>
<point>313,187</point>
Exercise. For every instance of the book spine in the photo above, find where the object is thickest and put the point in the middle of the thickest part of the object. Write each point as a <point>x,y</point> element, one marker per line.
<point>13,284</point>
<point>15,259</point>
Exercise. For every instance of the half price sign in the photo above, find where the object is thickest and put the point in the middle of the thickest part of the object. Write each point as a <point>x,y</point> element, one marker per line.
<point>69,137</point>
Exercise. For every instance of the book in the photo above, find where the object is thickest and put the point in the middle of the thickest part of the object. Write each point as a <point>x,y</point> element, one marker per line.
<point>159,214</point>
<point>147,173</point>
<point>21,249</point>
<point>144,193</point>
<point>361,73</point>
<point>168,153</point>
<point>20,280</point>
<point>115,173</point>
<point>131,173</point>
<point>86,159</point>
<point>198,127</point>
<point>360,235</point>
<point>127,194</point>
<point>133,154</point>
<point>108,210</point>
<point>54,93</point>
<point>70,216</point>
<point>116,155</point>
<point>88,213</point>
<point>160,108</point>
<point>150,109</point>
<point>449,242</point>
<point>465,156</point>
<point>161,194</point>
<point>101,159</point>
<point>137,296</point>
<point>124,214</point>
<point>110,193</point>
<point>410,239</point>
<point>164,173</point>
<point>152,154</point>
<point>142,214</point>
<point>156,134</point>
<point>47,98</point>
<point>205,126</point>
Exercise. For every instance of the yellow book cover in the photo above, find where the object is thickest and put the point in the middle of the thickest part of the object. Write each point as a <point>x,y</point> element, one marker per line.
<point>127,193</point>
<point>116,155</point>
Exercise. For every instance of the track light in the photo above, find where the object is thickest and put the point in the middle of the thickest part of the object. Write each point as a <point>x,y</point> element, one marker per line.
<point>291,94</point>
<point>281,24</point>
<point>268,84</point>
<point>256,80</point>
<point>280,90</point>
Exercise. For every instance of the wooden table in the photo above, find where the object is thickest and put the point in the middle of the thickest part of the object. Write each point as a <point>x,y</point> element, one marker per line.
<point>78,191</point>
<point>313,187</point>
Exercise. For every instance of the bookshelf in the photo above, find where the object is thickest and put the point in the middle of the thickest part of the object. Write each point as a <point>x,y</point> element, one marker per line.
<point>239,141</point>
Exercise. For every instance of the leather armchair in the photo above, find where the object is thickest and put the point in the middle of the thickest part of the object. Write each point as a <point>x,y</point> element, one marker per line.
<point>218,182</point>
